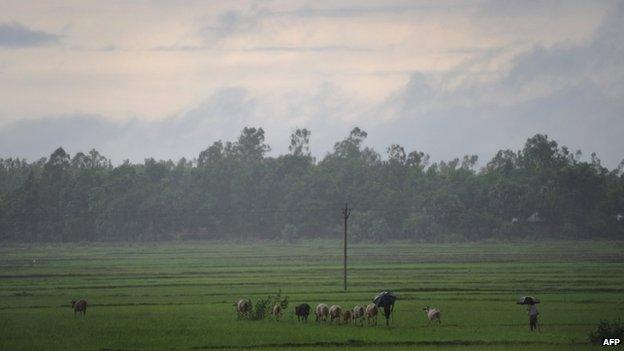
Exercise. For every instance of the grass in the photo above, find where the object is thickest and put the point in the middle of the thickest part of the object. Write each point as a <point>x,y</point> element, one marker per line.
<point>179,295</point>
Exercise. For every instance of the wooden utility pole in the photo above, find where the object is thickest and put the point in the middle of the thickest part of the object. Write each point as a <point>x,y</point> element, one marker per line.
<point>346,212</point>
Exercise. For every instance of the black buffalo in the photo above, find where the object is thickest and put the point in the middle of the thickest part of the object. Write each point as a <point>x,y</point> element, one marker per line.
<point>302,311</point>
<point>79,306</point>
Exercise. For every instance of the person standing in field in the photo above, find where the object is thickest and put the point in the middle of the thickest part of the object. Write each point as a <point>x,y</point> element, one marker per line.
<point>533,313</point>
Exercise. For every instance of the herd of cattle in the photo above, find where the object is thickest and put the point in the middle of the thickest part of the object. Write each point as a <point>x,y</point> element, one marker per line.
<point>357,315</point>
<point>322,312</point>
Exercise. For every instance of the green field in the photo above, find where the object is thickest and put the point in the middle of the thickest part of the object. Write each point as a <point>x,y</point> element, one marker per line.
<point>179,295</point>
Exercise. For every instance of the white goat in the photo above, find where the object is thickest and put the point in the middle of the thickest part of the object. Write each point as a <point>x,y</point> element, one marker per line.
<point>432,314</point>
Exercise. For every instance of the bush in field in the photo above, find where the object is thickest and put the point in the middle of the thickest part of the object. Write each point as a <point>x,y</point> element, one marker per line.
<point>263,307</point>
<point>607,330</point>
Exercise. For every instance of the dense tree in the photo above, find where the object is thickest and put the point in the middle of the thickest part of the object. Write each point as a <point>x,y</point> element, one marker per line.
<point>300,143</point>
<point>233,191</point>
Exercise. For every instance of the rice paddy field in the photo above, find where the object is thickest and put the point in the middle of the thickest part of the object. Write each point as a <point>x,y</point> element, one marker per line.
<point>178,296</point>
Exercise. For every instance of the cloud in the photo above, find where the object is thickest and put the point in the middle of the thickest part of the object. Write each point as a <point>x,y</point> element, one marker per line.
<point>177,47</point>
<point>571,91</point>
<point>571,116</point>
<point>182,135</point>
<point>221,116</point>
<point>360,9</point>
<point>324,48</point>
<point>314,68</point>
<point>232,22</point>
<point>310,48</point>
<point>14,34</point>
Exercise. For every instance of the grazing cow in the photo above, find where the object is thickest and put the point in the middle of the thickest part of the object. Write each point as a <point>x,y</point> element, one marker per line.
<point>321,312</point>
<point>358,314</point>
<point>371,313</point>
<point>277,311</point>
<point>347,316</point>
<point>302,311</point>
<point>432,314</point>
<point>335,312</point>
<point>79,306</point>
<point>243,307</point>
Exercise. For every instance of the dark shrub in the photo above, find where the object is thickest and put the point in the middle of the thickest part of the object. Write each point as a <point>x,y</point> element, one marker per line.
<point>607,330</point>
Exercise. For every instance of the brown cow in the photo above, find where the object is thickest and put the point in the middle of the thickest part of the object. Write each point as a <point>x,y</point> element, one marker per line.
<point>79,306</point>
<point>243,307</point>
<point>335,312</point>
<point>277,311</point>
<point>347,316</point>
<point>321,312</point>
<point>358,314</point>
<point>371,314</point>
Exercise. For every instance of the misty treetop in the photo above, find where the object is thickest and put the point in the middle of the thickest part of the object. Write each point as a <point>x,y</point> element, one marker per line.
<point>233,191</point>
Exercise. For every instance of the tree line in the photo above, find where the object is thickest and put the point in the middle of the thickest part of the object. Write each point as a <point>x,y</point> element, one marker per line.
<point>234,191</point>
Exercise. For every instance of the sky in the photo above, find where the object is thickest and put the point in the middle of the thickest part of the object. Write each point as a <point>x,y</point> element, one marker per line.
<point>165,79</point>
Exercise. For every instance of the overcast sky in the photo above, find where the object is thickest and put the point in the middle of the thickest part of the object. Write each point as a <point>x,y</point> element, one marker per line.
<point>166,79</point>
